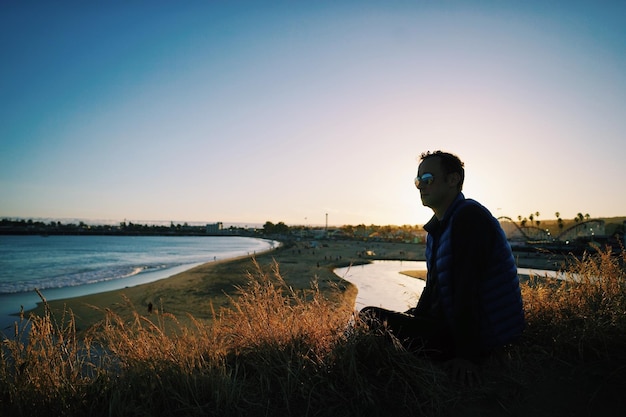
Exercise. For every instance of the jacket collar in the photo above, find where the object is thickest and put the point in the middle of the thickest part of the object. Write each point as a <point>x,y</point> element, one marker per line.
<point>434,223</point>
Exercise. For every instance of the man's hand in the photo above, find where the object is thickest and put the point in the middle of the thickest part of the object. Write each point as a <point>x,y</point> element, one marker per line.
<point>464,372</point>
<point>410,311</point>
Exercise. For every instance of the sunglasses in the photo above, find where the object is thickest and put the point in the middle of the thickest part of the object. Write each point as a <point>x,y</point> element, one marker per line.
<point>426,179</point>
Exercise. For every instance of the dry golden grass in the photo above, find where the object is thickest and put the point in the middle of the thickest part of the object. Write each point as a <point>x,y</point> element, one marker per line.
<point>276,350</point>
<point>585,313</point>
<point>285,316</point>
<point>281,351</point>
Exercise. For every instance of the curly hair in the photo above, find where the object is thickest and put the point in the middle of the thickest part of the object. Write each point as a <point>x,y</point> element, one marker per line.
<point>449,162</point>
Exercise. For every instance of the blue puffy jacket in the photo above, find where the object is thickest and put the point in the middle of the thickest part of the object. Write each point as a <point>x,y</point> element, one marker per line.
<point>472,282</point>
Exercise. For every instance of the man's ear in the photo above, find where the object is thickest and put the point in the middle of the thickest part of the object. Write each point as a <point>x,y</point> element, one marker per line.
<point>453,179</point>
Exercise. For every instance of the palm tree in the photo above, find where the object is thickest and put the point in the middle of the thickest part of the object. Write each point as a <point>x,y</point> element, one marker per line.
<point>559,220</point>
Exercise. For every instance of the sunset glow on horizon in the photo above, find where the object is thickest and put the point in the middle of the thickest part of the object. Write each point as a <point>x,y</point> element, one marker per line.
<point>241,112</point>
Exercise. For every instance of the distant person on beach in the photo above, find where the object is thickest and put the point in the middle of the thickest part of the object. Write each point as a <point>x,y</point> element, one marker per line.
<point>472,302</point>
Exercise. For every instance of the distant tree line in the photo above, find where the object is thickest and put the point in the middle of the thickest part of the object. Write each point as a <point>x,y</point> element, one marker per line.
<point>281,228</point>
<point>34,227</point>
<point>533,218</point>
<point>387,233</point>
<point>406,233</point>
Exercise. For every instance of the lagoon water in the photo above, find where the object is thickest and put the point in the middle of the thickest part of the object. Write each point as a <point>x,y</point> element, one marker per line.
<point>70,266</point>
<point>382,283</point>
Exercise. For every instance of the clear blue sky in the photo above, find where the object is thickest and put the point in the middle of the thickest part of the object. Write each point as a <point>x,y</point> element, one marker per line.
<point>285,111</point>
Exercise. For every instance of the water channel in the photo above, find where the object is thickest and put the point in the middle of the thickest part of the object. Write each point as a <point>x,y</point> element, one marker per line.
<point>383,284</point>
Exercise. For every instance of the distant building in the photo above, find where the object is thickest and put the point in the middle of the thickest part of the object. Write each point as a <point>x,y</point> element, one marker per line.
<point>214,228</point>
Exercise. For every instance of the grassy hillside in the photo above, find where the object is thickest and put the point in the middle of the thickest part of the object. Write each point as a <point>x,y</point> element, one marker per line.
<point>278,349</point>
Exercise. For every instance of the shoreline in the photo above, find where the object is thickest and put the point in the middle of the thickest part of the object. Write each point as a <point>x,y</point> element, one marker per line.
<point>204,289</point>
<point>200,291</point>
<point>15,304</point>
<point>10,303</point>
<point>30,301</point>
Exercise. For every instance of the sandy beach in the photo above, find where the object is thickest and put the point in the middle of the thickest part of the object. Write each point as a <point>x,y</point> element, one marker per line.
<point>198,291</point>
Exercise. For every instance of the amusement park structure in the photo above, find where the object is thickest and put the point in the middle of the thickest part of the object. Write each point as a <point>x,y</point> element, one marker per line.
<point>586,230</point>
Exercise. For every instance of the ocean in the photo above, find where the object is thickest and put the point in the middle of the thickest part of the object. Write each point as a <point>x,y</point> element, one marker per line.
<point>71,266</point>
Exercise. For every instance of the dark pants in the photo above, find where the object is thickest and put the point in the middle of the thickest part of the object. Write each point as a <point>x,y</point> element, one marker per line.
<point>417,334</point>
